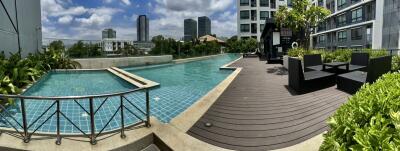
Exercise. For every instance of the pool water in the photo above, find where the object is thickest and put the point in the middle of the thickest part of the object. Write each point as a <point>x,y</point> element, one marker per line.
<point>78,83</point>
<point>181,85</point>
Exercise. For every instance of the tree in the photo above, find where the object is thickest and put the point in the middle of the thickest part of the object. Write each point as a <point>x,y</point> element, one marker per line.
<point>301,19</point>
<point>57,45</point>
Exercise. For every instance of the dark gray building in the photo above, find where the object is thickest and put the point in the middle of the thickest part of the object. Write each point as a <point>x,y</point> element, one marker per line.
<point>204,26</point>
<point>359,24</point>
<point>190,29</point>
<point>109,33</point>
<point>142,28</point>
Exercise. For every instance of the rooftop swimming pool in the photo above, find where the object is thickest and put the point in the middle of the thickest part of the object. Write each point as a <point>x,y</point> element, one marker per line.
<point>181,85</point>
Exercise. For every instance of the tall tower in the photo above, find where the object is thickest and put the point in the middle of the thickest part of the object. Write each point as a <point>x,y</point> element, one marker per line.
<point>142,28</point>
<point>109,33</point>
<point>190,29</point>
<point>204,26</point>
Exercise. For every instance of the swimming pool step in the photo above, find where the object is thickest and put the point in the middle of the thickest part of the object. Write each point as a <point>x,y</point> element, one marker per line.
<point>132,78</point>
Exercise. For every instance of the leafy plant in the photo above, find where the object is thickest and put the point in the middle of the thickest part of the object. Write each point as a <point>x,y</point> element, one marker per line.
<point>396,63</point>
<point>340,55</point>
<point>370,120</point>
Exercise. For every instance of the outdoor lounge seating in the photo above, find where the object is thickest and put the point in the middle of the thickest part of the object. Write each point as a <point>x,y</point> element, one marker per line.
<point>353,81</point>
<point>307,81</point>
<point>359,61</point>
<point>313,62</point>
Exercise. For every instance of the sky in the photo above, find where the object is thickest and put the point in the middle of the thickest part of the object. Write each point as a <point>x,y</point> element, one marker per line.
<point>85,19</point>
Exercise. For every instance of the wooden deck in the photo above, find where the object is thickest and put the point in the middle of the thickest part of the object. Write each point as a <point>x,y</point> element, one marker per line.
<point>259,112</point>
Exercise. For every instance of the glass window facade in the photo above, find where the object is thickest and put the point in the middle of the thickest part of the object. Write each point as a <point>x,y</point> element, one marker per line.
<point>244,28</point>
<point>244,2</point>
<point>356,15</point>
<point>341,20</point>
<point>244,14</point>
<point>264,15</point>
<point>264,3</point>
<point>342,36</point>
<point>356,34</point>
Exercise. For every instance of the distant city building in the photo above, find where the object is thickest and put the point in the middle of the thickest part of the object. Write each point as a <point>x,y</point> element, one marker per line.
<point>29,27</point>
<point>358,24</point>
<point>252,15</point>
<point>109,33</point>
<point>204,26</point>
<point>142,28</point>
<point>113,46</point>
<point>190,29</point>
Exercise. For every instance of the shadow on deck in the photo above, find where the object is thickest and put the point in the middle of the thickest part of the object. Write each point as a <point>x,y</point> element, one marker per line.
<point>259,112</point>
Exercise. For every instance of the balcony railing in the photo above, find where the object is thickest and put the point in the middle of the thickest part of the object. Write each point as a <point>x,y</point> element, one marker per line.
<point>125,107</point>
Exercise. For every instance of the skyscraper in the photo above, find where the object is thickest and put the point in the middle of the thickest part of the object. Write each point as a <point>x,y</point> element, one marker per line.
<point>109,33</point>
<point>142,28</point>
<point>190,29</point>
<point>204,26</point>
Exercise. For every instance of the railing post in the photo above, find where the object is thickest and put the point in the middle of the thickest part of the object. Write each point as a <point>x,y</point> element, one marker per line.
<point>58,141</point>
<point>24,123</point>
<point>92,126</point>
<point>147,108</point>
<point>122,118</point>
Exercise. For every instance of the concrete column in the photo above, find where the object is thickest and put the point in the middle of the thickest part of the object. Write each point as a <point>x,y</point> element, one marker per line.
<point>377,28</point>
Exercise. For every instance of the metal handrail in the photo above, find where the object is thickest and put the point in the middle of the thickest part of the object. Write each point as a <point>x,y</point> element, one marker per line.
<point>26,134</point>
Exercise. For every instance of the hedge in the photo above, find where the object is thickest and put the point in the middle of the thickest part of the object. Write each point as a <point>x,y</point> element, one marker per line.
<point>370,120</point>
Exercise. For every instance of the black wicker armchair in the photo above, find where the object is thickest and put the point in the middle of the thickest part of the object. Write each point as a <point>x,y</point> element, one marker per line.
<point>353,81</point>
<point>359,62</point>
<point>313,62</point>
<point>303,82</point>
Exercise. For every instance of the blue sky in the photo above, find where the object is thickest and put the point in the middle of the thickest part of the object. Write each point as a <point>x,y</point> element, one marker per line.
<point>84,19</point>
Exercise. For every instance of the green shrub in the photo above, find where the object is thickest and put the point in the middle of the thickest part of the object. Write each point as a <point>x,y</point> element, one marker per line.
<point>396,63</point>
<point>340,55</point>
<point>370,120</point>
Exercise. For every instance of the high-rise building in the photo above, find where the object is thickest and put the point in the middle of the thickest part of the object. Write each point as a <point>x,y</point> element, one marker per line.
<point>190,29</point>
<point>29,25</point>
<point>109,33</point>
<point>142,28</point>
<point>359,24</point>
<point>252,15</point>
<point>204,26</point>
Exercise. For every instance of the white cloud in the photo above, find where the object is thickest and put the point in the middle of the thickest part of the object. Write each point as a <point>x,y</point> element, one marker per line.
<point>65,19</point>
<point>98,16</point>
<point>126,2</point>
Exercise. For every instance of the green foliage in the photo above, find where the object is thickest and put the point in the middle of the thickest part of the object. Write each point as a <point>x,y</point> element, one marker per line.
<point>340,55</point>
<point>57,45</point>
<point>81,49</point>
<point>301,18</point>
<point>242,46</point>
<point>396,63</point>
<point>17,72</point>
<point>183,49</point>
<point>370,120</point>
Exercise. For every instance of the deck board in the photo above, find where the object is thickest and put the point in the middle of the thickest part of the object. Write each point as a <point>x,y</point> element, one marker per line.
<point>259,112</point>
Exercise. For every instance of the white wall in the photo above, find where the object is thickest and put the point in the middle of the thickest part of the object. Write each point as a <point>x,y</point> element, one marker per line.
<point>29,18</point>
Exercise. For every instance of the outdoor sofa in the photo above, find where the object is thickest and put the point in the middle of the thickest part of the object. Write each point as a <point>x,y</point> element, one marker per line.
<point>308,81</point>
<point>359,61</point>
<point>313,62</point>
<point>353,81</point>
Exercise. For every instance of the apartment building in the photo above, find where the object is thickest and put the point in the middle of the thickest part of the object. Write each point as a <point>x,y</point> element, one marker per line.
<point>358,24</point>
<point>252,15</point>
<point>204,26</point>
